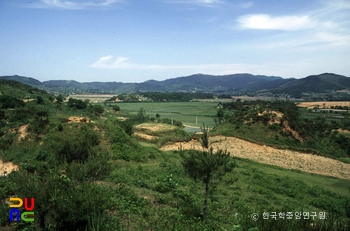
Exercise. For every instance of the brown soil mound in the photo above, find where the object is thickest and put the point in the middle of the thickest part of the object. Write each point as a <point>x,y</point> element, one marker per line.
<point>147,131</point>
<point>284,158</point>
<point>144,136</point>
<point>75,119</point>
<point>6,168</point>
<point>154,127</point>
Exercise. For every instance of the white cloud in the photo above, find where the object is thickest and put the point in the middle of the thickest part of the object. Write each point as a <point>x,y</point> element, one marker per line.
<point>267,22</point>
<point>74,4</point>
<point>111,62</point>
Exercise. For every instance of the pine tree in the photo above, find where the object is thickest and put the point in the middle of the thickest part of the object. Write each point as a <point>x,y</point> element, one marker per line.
<point>206,165</point>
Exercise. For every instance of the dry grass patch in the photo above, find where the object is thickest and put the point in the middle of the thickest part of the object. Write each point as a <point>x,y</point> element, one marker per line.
<point>152,128</point>
<point>324,104</point>
<point>265,154</point>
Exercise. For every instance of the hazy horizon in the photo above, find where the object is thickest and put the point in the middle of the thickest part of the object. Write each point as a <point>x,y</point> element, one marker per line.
<point>125,41</point>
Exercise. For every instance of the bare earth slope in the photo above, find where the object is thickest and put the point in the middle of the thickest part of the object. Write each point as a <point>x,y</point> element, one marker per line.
<point>7,167</point>
<point>269,155</point>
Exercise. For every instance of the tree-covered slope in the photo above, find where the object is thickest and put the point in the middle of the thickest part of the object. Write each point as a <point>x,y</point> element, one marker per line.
<point>315,83</point>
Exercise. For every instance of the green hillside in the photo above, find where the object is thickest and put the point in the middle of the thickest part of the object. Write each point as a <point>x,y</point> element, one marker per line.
<point>87,170</point>
<point>25,80</point>
<point>316,83</point>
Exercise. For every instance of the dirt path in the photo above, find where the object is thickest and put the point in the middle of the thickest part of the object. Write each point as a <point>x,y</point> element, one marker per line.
<point>284,158</point>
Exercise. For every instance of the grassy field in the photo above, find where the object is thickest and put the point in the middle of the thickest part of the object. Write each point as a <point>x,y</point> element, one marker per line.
<point>250,188</point>
<point>185,112</point>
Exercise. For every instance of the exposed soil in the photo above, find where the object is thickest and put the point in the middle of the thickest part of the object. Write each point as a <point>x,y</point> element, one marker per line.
<point>154,127</point>
<point>76,119</point>
<point>147,131</point>
<point>28,100</point>
<point>122,118</point>
<point>7,167</point>
<point>144,136</point>
<point>23,132</point>
<point>288,129</point>
<point>284,158</point>
<point>343,131</point>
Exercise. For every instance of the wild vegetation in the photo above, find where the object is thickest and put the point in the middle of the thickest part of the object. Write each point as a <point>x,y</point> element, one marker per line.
<point>93,174</point>
<point>281,124</point>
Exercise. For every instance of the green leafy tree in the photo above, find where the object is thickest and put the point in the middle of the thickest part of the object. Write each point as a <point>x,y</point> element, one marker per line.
<point>39,100</point>
<point>77,103</point>
<point>116,108</point>
<point>59,101</point>
<point>141,116</point>
<point>220,114</point>
<point>96,109</point>
<point>8,101</point>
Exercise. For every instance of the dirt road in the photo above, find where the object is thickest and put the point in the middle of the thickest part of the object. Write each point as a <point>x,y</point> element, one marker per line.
<point>284,158</point>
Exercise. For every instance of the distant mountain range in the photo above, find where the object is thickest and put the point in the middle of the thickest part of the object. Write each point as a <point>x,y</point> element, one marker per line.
<point>224,84</point>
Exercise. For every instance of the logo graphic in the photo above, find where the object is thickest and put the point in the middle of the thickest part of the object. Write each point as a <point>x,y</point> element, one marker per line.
<point>25,216</point>
<point>255,216</point>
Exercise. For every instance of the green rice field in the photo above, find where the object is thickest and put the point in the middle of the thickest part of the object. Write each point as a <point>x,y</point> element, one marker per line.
<point>189,113</point>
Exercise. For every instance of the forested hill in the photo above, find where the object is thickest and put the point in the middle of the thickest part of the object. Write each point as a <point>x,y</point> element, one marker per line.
<point>235,83</point>
<point>314,83</point>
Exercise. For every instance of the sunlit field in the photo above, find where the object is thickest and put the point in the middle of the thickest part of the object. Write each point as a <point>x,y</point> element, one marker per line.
<point>189,113</point>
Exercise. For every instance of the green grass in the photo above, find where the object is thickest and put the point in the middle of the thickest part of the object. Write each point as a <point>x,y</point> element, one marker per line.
<point>250,187</point>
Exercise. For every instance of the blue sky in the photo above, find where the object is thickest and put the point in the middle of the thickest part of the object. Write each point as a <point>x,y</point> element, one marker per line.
<point>133,41</point>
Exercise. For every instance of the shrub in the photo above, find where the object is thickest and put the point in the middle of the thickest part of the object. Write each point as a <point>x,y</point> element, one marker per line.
<point>167,184</point>
<point>41,155</point>
<point>116,108</point>
<point>60,127</point>
<point>96,110</point>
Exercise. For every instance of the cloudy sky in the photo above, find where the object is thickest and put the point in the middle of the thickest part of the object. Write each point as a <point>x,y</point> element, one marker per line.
<point>137,40</point>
